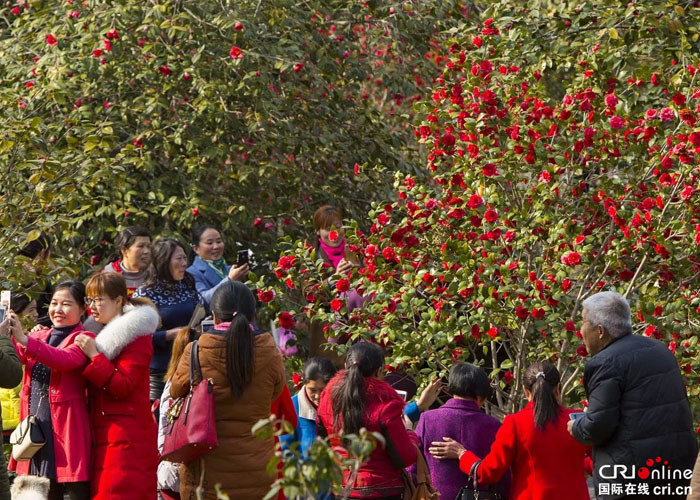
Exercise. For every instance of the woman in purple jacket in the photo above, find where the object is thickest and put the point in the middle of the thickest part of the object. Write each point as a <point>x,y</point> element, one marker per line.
<point>461,419</point>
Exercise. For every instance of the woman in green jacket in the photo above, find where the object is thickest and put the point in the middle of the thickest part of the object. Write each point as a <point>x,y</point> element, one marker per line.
<point>10,376</point>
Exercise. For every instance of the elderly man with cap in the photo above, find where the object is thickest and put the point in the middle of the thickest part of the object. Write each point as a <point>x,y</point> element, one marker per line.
<point>638,418</point>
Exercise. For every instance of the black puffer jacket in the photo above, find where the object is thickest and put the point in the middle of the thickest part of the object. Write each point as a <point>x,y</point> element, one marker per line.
<point>637,408</point>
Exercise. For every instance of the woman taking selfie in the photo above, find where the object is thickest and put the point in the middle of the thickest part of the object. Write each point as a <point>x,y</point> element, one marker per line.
<point>209,267</point>
<point>54,391</point>
<point>248,375</point>
<point>124,432</point>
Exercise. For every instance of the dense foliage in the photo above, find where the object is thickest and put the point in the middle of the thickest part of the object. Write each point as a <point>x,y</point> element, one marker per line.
<point>244,114</point>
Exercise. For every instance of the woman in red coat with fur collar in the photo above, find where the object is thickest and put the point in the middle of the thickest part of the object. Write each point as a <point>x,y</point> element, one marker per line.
<point>125,451</point>
<point>545,461</point>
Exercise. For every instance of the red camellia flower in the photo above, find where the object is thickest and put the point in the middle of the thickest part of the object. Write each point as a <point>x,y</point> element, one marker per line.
<point>342,285</point>
<point>491,216</point>
<point>236,52</point>
<point>371,251</point>
<point>475,201</point>
<point>581,351</point>
<point>286,262</point>
<point>687,192</point>
<point>508,377</point>
<point>336,304</point>
<point>667,115</point>
<point>112,34</point>
<point>333,235</point>
<point>195,212</point>
<point>94,260</point>
<point>571,259</point>
<point>29,84</point>
<point>492,332</point>
<point>650,114</point>
<point>138,143</point>
<point>389,254</point>
<point>679,99</point>
<point>97,52</point>
<point>15,11</point>
<point>298,381</point>
<point>298,67</point>
<point>258,222</point>
<point>616,122</point>
<point>107,45</point>
<point>265,295</point>
<point>165,70</point>
<point>522,312</point>
<point>238,26</point>
<point>51,40</point>
<point>476,331</point>
<point>286,320</point>
<point>611,101</point>
<point>477,42</point>
<point>570,326</point>
<point>489,170</point>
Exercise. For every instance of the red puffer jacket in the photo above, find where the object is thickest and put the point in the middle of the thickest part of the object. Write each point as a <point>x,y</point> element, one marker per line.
<point>379,477</point>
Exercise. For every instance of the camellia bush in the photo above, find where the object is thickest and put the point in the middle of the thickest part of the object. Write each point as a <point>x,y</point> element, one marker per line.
<point>168,113</point>
<point>563,160</point>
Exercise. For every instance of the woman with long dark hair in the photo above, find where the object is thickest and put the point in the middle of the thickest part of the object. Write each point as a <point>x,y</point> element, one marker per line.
<point>172,289</point>
<point>357,397</point>
<point>248,375</point>
<point>54,391</point>
<point>545,461</point>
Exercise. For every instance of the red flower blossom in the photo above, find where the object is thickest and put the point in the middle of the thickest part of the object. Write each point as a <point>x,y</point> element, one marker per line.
<point>389,254</point>
<point>297,380</point>
<point>265,295</point>
<point>336,304</point>
<point>571,259</point>
<point>238,26</point>
<point>165,70</point>
<point>112,34</point>
<point>492,332</point>
<point>491,216</point>
<point>298,67</point>
<point>475,201</point>
<point>97,53</point>
<point>581,351</point>
<point>616,122</point>
<point>333,235</point>
<point>611,101</point>
<point>489,170</point>
<point>342,285</point>
<point>522,312</point>
<point>236,52</point>
<point>508,377</point>
<point>286,262</point>
<point>286,320</point>
<point>51,40</point>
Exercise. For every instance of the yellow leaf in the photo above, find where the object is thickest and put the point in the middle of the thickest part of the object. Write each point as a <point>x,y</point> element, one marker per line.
<point>679,10</point>
<point>612,33</point>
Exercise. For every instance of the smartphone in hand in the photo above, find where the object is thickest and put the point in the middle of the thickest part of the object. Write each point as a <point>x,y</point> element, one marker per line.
<point>243,257</point>
<point>575,416</point>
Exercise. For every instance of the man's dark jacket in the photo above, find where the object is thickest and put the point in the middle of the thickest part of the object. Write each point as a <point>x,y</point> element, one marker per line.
<point>637,407</point>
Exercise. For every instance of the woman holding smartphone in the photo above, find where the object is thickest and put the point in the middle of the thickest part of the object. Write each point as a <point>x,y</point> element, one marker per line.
<point>54,391</point>
<point>208,265</point>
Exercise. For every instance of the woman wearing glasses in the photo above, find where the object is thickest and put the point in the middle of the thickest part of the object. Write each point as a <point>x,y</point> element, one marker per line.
<point>54,392</point>
<point>123,430</point>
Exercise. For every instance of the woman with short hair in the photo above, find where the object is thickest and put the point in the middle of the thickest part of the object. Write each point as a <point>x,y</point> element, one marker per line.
<point>461,419</point>
<point>534,443</point>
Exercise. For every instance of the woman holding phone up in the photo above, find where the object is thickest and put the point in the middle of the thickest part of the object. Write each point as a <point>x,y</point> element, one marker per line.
<point>207,262</point>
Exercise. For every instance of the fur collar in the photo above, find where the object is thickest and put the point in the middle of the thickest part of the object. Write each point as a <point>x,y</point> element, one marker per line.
<point>137,321</point>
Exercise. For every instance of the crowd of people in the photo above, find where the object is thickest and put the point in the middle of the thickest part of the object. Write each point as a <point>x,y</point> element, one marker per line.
<point>100,378</point>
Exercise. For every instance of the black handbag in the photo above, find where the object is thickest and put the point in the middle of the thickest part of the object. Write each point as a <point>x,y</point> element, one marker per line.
<point>471,492</point>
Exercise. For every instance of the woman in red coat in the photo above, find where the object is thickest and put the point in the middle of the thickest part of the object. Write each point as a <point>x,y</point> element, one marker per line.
<point>357,398</point>
<point>545,461</point>
<point>125,452</point>
<point>54,391</point>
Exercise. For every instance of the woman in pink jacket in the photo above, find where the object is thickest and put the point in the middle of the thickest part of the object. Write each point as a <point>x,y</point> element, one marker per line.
<point>54,391</point>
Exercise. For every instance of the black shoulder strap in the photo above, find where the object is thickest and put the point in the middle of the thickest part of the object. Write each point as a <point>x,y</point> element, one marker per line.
<point>195,368</point>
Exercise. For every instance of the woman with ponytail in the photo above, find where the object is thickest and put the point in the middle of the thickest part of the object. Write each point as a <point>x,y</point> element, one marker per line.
<point>248,375</point>
<point>356,397</point>
<point>545,461</point>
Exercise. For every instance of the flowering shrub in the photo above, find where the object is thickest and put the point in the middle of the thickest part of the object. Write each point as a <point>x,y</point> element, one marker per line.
<point>563,160</point>
<point>247,115</point>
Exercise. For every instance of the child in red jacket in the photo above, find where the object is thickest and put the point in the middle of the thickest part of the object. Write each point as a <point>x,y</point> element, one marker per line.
<point>545,461</point>
<point>357,398</point>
